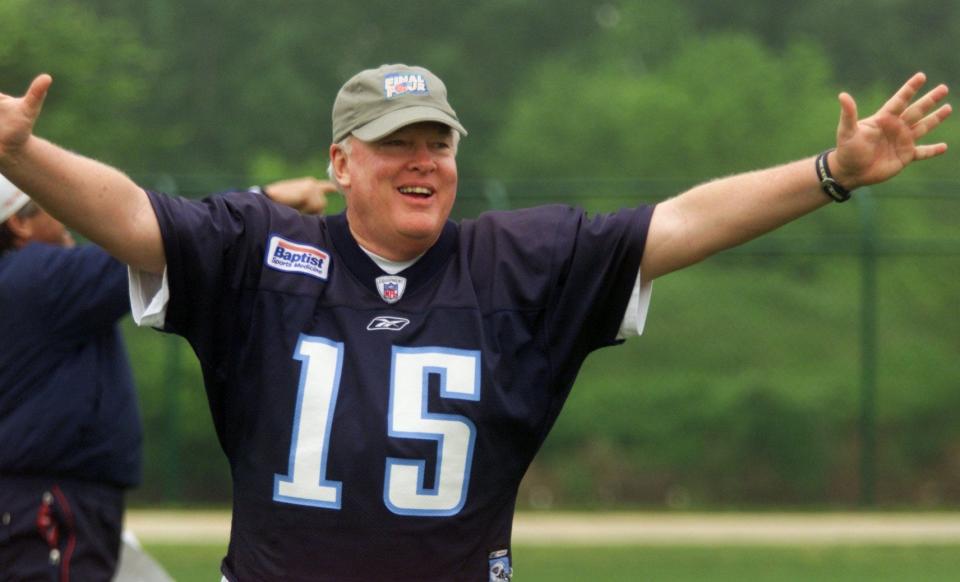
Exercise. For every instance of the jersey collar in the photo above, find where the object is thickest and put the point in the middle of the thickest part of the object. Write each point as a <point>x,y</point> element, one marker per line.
<point>366,271</point>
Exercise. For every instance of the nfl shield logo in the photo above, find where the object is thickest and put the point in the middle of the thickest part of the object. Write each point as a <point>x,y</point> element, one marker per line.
<point>391,287</point>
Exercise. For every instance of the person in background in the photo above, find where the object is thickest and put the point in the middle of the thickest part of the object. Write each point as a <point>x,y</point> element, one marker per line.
<point>70,431</point>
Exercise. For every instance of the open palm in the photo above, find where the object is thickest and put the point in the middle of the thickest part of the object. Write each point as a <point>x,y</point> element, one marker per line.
<point>879,147</point>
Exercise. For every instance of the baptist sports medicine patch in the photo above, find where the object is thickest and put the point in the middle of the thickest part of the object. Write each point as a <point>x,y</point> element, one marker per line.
<point>391,287</point>
<point>500,570</point>
<point>397,84</point>
<point>295,257</point>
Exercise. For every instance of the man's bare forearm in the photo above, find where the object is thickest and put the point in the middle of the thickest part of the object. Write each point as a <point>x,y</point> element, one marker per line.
<point>727,212</point>
<point>97,200</point>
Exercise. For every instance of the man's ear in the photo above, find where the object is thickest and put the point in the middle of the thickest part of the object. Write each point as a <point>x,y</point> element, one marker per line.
<point>21,228</point>
<point>341,166</point>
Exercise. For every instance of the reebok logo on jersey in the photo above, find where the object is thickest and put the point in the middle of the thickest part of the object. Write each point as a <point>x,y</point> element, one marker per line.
<point>387,323</point>
<point>397,84</point>
<point>294,257</point>
<point>391,287</point>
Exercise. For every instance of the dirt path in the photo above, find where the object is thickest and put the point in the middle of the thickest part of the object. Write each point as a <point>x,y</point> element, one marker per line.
<point>633,528</point>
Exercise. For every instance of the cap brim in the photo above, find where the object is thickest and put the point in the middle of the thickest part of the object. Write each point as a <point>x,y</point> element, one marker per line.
<point>391,122</point>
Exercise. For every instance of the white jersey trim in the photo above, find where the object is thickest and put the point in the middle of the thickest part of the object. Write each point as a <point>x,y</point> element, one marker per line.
<point>635,316</point>
<point>149,296</point>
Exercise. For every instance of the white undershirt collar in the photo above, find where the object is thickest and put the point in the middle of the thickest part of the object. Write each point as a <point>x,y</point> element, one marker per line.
<point>388,266</point>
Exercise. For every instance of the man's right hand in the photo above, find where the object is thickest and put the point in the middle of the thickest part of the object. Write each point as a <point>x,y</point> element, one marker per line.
<point>19,114</point>
<point>94,199</point>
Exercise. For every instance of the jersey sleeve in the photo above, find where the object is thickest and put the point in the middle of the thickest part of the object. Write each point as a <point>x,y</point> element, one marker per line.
<point>578,271</point>
<point>210,246</point>
<point>596,266</point>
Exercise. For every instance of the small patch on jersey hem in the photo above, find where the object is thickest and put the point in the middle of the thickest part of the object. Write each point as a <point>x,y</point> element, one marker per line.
<point>295,257</point>
<point>500,570</point>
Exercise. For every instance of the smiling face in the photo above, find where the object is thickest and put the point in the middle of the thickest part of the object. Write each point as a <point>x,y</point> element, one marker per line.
<point>399,189</point>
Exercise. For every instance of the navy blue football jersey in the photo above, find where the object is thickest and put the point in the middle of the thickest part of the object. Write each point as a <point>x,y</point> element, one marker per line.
<point>377,427</point>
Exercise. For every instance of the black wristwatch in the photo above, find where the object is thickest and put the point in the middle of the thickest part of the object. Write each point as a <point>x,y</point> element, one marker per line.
<point>828,184</point>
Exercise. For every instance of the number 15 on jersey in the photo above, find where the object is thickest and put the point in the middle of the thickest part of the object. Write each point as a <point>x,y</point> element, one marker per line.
<point>405,491</point>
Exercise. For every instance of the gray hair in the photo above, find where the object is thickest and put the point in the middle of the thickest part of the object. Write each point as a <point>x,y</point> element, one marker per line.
<point>343,144</point>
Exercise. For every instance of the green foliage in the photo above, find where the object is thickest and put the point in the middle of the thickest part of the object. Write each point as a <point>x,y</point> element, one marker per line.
<point>99,67</point>
<point>869,42</point>
<point>720,105</point>
<point>182,457</point>
<point>746,386</point>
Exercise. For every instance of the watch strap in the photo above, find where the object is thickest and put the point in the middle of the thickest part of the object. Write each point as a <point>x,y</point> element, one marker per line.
<point>828,184</point>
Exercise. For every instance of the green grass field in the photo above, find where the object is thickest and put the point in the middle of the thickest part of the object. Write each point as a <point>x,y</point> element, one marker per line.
<point>198,563</point>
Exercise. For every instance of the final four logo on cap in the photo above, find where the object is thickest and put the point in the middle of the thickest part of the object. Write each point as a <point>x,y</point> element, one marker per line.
<point>396,84</point>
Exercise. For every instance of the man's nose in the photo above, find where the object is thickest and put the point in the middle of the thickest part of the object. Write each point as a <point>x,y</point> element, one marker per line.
<point>423,160</point>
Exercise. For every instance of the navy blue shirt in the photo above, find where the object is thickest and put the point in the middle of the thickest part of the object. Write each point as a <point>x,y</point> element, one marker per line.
<point>67,402</point>
<point>378,427</point>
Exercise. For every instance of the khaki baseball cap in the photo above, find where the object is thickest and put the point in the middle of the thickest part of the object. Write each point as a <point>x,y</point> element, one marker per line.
<point>376,102</point>
<point>11,199</point>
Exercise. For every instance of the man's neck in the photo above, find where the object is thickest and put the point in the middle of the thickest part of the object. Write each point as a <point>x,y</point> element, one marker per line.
<point>387,265</point>
<point>398,253</point>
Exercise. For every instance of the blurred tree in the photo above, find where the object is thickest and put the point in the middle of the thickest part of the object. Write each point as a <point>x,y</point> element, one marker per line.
<point>719,105</point>
<point>867,42</point>
<point>262,81</point>
<point>100,69</point>
<point>231,82</point>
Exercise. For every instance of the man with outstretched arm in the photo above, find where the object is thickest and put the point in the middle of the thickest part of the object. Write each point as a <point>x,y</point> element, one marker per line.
<point>381,379</point>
